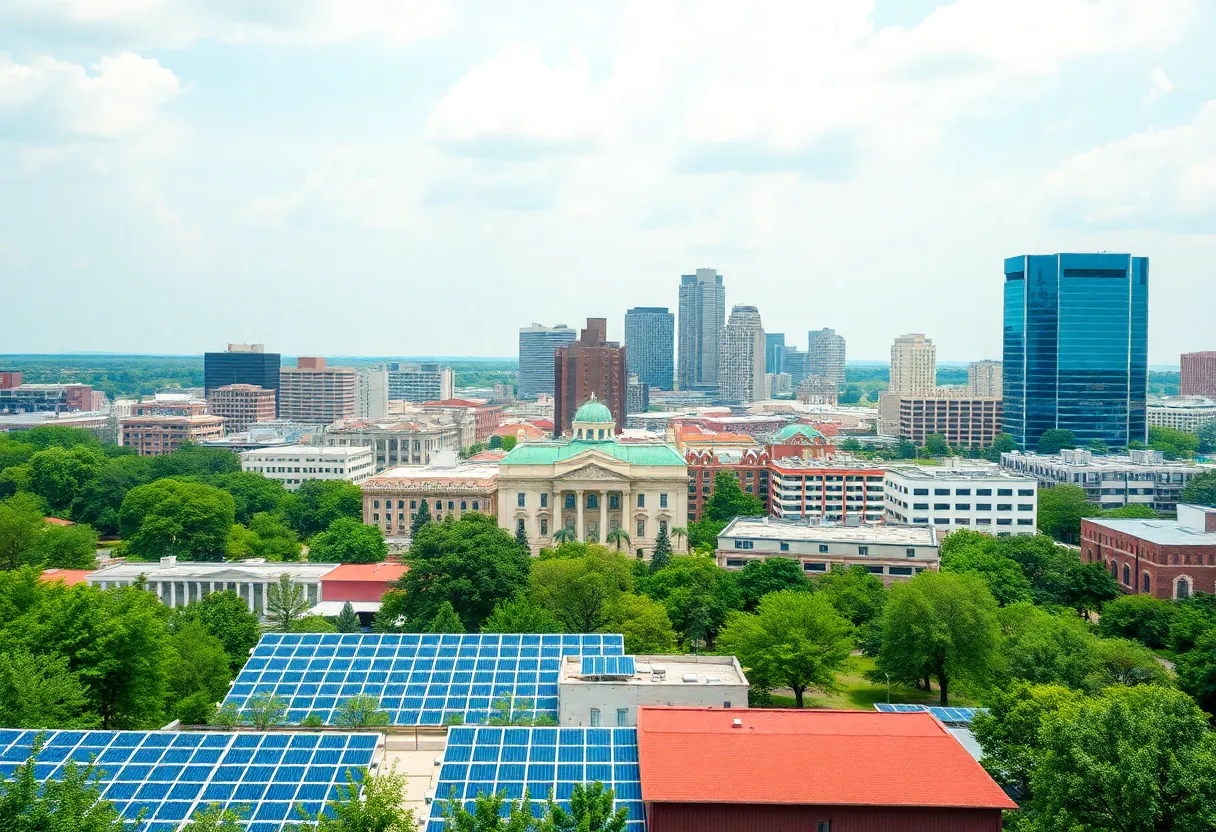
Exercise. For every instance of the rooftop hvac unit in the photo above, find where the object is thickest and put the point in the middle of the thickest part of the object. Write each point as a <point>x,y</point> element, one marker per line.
<point>689,677</point>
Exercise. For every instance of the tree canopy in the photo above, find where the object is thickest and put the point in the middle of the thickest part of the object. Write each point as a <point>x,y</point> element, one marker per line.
<point>729,500</point>
<point>176,517</point>
<point>348,541</point>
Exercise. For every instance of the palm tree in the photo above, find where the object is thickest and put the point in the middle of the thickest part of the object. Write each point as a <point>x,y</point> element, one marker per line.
<point>678,533</point>
<point>617,536</point>
<point>563,535</point>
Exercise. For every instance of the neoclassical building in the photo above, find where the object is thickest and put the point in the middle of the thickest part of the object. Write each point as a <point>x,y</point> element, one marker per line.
<point>593,484</point>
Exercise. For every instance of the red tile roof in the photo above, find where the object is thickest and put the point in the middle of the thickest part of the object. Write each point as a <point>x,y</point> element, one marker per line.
<point>366,572</point>
<point>57,521</point>
<point>822,758</point>
<point>453,403</point>
<point>71,577</point>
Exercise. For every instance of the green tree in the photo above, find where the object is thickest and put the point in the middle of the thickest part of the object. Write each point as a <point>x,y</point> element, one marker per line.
<point>66,547</point>
<point>57,474</point>
<point>1087,586</point>
<point>940,625</point>
<point>20,528</point>
<point>471,563</point>
<point>729,501</point>
<point>1098,446</point>
<point>521,537</point>
<point>265,710</point>
<point>197,673</point>
<point>697,594</point>
<point>1054,440</point>
<point>318,503</point>
<point>174,517</point>
<point>520,615</point>
<point>1174,444</point>
<point>273,539</point>
<point>1207,437</point>
<point>367,804</point>
<point>1197,670</point>
<point>1142,618</point>
<point>446,620</point>
<point>795,639</point>
<point>215,818</point>
<point>420,519</point>
<point>660,556</point>
<point>590,811</point>
<point>703,535</point>
<point>41,691</point>
<point>227,617</point>
<point>347,621</point>
<point>1061,508</point>
<point>564,535</point>
<point>1046,649</point>
<point>904,449</point>
<point>190,460</point>
<point>643,622</point>
<point>362,711</point>
<point>577,591</point>
<point>16,480</point>
<point>286,604</point>
<point>1011,732</point>
<point>509,442</point>
<point>490,813</point>
<point>854,592</point>
<point>618,536</point>
<point>71,803</point>
<point>1132,511</point>
<point>99,501</point>
<point>936,445</point>
<point>252,493</point>
<point>348,541</point>
<point>760,577</point>
<point>1129,663</point>
<point>1200,489</point>
<point>509,709</point>
<point>227,716</point>
<point>1004,576</point>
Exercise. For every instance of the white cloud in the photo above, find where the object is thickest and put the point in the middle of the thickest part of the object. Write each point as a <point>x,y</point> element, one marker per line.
<point>1157,177</point>
<point>180,23</point>
<point>1161,85</point>
<point>119,96</point>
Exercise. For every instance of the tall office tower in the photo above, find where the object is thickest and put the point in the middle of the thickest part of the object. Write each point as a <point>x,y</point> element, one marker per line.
<point>592,364</point>
<point>371,394</point>
<point>741,369</point>
<point>826,351</point>
<point>1076,347</point>
<point>1199,374</point>
<point>796,364</point>
<point>984,378</point>
<point>537,344</point>
<point>913,365</point>
<point>426,382</point>
<point>242,364</point>
<point>774,352</point>
<point>315,394</point>
<point>702,316</point>
<point>650,333</point>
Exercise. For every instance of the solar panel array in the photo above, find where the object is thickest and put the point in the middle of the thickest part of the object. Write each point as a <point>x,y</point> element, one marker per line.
<point>420,679</point>
<point>485,760</point>
<point>607,666</point>
<point>952,716</point>
<point>169,775</point>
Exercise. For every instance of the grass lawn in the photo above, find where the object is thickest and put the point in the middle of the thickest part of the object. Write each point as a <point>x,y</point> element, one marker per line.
<point>858,693</point>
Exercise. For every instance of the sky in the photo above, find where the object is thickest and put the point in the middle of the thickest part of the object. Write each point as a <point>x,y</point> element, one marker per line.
<point>386,177</point>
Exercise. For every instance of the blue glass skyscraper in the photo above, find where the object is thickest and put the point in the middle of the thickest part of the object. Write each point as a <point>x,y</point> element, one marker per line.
<point>1076,347</point>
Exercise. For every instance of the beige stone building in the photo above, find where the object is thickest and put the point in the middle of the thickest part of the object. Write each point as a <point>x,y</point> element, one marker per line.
<point>592,485</point>
<point>447,486</point>
<point>317,394</point>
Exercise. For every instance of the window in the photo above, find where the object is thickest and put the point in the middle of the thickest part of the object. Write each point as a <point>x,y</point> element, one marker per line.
<point>735,563</point>
<point>614,501</point>
<point>544,527</point>
<point>815,567</point>
<point>662,501</point>
<point>1144,582</point>
<point>983,521</point>
<point>941,521</point>
<point>519,526</point>
<point>941,506</point>
<point>595,717</point>
<point>1004,506</point>
<point>451,505</point>
<point>962,492</point>
<point>1182,590</point>
<point>622,717</point>
<point>1127,575</point>
<point>1004,521</point>
<point>413,504</point>
<point>899,570</point>
<point>476,504</point>
<point>983,506</point>
<point>875,570</point>
<point>375,504</point>
<point>823,548</point>
<point>824,826</point>
<point>1025,507</point>
<point>641,528</point>
<point>1025,521</point>
<point>569,501</point>
<point>593,501</point>
<point>743,544</point>
<point>920,506</point>
<point>375,518</point>
<point>1025,492</point>
<point>785,547</point>
<point>910,552</point>
<point>920,492</point>
<point>439,505</point>
<point>983,492</point>
<point>941,492</point>
<point>641,501</point>
<point>1004,492</point>
<point>863,550</point>
<point>544,499</point>
<point>962,506</point>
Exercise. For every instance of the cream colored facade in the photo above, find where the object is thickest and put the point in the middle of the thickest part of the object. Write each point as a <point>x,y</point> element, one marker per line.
<point>913,365</point>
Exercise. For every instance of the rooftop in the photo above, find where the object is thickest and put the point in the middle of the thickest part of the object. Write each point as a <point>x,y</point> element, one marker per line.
<point>1161,532</point>
<point>790,431</point>
<point>170,569</point>
<point>680,671</point>
<point>825,758</point>
<point>1183,403</point>
<point>956,472</point>
<point>70,577</point>
<point>547,453</point>
<point>469,473</point>
<point>335,451</point>
<point>195,419</point>
<point>775,528</point>
<point>1085,459</point>
<point>840,463</point>
<point>367,572</point>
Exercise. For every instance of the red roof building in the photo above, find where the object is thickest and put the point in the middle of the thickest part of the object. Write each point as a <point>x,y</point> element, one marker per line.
<point>360,581</point>
<point>751,770</point>
<point>70,577</point>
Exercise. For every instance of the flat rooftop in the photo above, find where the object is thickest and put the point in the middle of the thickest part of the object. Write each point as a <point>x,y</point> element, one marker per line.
<point>679,671</point>
<point>1161,532</point>
<point>774,528</point>
<point>471,473</point>
<point>333,451</point>
<point>1098,462</point>
<point>206,570</point>
<point>796,464</point>
<point>963,472</point>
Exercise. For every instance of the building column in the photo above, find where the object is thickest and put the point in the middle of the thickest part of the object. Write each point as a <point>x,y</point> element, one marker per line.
<point>626,516</point>
<point>603,515</point>
<point>250,590</point>
<point>579,531</point>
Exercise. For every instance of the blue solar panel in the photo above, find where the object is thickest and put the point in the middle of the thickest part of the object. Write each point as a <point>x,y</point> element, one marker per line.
<point>420,679</point>
<point>541,760</point>
<point>607,666</point>
<point>171,775</point>
<point>950,716</point>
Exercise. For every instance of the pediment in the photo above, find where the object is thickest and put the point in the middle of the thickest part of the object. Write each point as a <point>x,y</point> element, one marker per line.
<point>591,472</point>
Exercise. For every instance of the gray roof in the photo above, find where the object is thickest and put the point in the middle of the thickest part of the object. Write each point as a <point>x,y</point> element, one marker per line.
<point>1161,532</point>
<point>774,528</point>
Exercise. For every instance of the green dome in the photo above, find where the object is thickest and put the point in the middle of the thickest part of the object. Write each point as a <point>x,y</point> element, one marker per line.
<point>594,411</point>
<point>790,431</point>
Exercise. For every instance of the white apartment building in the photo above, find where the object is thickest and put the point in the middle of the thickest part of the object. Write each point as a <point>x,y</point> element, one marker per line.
<point>976,496</point>
<point>741,361</point>
<point>294,464</point>
<point>1187,414</point>
<point>371,394</point>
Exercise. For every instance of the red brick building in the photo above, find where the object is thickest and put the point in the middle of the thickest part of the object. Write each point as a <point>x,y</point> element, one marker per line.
<point>707,451</point>
<point>158,435</point>
<point>1198,374</point>
<point>827,490</point>
<point>1162,558</point>
<point>242,405</point>
<point>590,365</point>
<point>799,442</point>
<point>809,771</point>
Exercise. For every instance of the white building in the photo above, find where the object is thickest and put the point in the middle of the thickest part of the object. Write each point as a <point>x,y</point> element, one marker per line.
<point>977,496</point>
<point>294,464</point>
<point>371,394</point>
<point>425,382</point>
<point>1185,414</point>
<point>893,553</point>
<point>607,697</point>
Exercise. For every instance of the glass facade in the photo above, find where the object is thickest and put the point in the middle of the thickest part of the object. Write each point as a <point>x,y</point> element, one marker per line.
<point>1076,347</point>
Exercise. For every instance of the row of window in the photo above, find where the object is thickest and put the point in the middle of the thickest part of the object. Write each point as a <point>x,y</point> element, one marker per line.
<point>965,492</point>
<point>823,548</point>
<point>965,506</point>
<point>961,521</point>
<point>592,500</point>
<point>874,569</point>
<point>828,477</point>
<point>464,504</point>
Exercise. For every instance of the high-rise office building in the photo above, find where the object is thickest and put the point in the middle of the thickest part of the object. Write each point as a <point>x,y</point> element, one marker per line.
<point>741,369</point>
<point>592,364</point>
<point>702,316</point>
<point>650,333</point>
<point>913,365</point>
<point>1199,374</point>
<point>984,378</point>
<point>796,364</point>
<point>424,382</point>
<point>1076,347</point>
<point>537,345</point>
<point>774,352</point>
<point>242,364</point>
<point>316,394</point>
<point>825,349</point>
<point>371,394</point>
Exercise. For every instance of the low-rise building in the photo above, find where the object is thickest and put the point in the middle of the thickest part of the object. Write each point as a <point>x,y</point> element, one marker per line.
<point>171,404</point>
<point>978,496</point>
<point>448,487</point>
<point>893,553</point>
<point>159,435</point>
<point>1162,558</point>
<point>16,397</point>
<point>405,440</point>
<point>965,421</point>
<point>1185,414</point>
<point>799,441</point>
<point>606,691</point>
<point>1143,478</point>
<point>486,417</point>
<point>707,452</point>
<point>295,464</point>
<point>241,405</point>
<point>838,490</point>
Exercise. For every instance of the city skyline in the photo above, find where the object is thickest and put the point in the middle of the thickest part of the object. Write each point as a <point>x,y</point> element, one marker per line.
<point>256,170</point>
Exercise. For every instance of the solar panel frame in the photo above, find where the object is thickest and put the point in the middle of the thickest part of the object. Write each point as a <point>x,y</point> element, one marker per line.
<point>419,678</point>
<point>173,774</point>
<point>950,716</point>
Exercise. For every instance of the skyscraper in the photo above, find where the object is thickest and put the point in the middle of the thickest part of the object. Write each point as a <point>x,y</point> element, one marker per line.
<point>242,364</point>
<point>913,365</point>
<point>1076,347</point>
<point>774,352</point>
<point>741,369</point>
<point>984,378</point>
<point>371,394</point>
<point>796,364</point>
<point>650,333</point>
<point>702,316</point>
<point>826,355</point>
<point>537,344</point>
<point>316,394</point>
<point>592,364</point>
